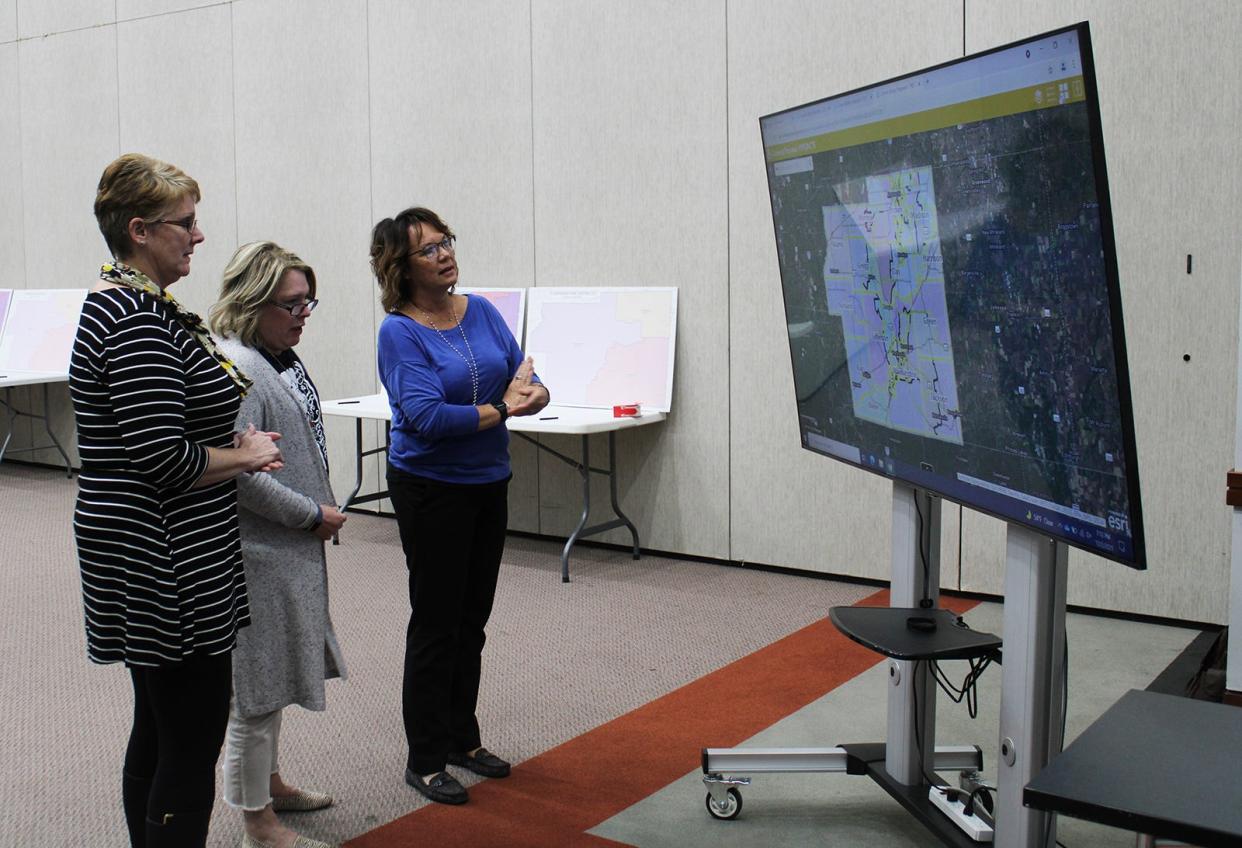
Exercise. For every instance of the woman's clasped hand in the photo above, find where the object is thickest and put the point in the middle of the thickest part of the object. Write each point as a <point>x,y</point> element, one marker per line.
<point>261,447</point>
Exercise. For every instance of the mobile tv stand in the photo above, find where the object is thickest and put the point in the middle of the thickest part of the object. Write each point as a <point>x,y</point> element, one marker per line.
<point>1034,631</point>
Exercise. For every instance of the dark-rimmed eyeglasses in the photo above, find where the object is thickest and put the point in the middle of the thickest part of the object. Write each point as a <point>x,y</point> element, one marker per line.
<point>432,251</point>
<point>297,310</point>
<point>189,224</point>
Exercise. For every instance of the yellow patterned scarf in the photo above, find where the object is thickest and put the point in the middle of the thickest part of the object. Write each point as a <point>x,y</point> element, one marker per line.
<point>123,275</point>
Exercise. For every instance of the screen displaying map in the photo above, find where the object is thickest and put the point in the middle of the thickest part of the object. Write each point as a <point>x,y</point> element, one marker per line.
<point>599,347</point>
<point>950,288</point>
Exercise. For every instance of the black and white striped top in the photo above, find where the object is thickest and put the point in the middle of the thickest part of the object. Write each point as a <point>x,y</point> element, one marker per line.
<point>161,562</point>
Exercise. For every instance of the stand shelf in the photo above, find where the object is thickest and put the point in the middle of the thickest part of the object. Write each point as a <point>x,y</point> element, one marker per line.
<point>914,633</point>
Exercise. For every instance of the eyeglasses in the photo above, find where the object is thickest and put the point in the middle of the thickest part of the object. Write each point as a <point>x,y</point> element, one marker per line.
<point>297,310</point>
<point>432,251</point>
<point>189,224</point>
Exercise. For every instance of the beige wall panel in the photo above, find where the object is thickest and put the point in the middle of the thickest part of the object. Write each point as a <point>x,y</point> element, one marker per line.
<point>69,133</point>
<point>303,180</point>
<point>524,487</point>
<point>37,18</point>
<point>630,162</point>
<point>983,553</point>
<point>1173,164</point>
<point>791,507</point>
<point>127,10</point>
<point>191,129</point>
<point>451,130</point>
<point>451,127</point>
<point>8,20</point>
<point>12,247</point>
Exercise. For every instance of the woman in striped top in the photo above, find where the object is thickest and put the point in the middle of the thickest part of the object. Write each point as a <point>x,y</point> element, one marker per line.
<point>156,516</point>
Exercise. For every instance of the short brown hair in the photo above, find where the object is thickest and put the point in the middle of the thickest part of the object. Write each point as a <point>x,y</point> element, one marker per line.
<point>390,252</point>
<point>250,280</point>
<point>137,186</point>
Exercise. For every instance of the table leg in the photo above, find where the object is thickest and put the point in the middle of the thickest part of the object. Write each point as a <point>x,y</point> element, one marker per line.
<point>47,426</point>
<point>358,473</point>
<point>357,465</point>
<point>13,413</point>
<point>612,489</point>
<point>584,471</point>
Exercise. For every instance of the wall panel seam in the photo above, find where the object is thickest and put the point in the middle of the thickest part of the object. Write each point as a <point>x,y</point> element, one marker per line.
<point>728,182</point>
<point>21,170</point>
<point>534,230</point>
<point>233,110</point>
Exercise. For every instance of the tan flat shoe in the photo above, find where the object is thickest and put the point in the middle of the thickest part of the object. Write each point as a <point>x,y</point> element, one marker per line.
<point>300,842</point>
<point>301,802</point>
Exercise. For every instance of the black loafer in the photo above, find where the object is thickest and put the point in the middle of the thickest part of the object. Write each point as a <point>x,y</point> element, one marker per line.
<point>443,788</point>
<point>482,762</point>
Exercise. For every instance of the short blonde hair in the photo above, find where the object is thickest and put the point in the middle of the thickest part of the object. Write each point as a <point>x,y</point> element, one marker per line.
<point>137,186</point>
<point>390,253</point>
<point>250,282</point>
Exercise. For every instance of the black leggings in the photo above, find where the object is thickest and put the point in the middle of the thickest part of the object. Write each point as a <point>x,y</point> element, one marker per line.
<point>180,714</point>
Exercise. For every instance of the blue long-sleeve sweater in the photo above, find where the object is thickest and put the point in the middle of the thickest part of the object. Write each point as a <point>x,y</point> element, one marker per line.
<point>434,424</point>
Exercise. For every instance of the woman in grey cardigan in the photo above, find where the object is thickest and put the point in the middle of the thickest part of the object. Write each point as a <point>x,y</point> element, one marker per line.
<point>289,649</point>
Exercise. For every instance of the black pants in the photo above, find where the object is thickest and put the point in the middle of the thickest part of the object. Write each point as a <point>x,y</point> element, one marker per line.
<point>169,783</point>
<point>453,536</point>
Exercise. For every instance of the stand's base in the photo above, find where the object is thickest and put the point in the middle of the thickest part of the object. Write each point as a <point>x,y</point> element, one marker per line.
<point>724,797</point>
<point>870,755</point>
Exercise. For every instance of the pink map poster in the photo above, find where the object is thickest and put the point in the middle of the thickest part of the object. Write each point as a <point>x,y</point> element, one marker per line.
<point>510,303</point>
<point>6,295</point>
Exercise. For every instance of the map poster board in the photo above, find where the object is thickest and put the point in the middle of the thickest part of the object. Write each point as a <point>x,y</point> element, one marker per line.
<point>6,295</point>
<point>510,303</point>
<point>39,329</point>
<point>597,347</point>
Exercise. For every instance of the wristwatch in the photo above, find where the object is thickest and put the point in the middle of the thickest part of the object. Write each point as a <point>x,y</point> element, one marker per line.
<point>503,409</point>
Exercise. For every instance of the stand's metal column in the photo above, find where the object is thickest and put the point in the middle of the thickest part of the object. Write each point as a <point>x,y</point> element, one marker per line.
<point>911,702</point>
<point>1032,681</point>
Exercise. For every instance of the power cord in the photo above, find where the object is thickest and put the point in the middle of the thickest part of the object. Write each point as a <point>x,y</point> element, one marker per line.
<point>926,601</point>
<point>969,690</point>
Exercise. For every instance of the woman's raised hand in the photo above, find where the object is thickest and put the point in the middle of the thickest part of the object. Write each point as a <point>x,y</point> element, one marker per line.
<point>524,397</point>
<point>524,372</point>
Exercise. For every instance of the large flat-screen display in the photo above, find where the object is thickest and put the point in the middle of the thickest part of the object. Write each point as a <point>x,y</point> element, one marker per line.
<point>951,294</point>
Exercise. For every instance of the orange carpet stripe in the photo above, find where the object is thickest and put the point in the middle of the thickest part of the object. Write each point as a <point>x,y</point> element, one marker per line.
<point>553,798</point>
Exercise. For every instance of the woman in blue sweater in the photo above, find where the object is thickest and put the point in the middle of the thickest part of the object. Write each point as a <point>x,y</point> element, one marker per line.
<point>453,373</point>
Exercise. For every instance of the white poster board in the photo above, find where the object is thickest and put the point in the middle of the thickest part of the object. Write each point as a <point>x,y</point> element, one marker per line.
<point>597,347</point>
<point>39,329</point>
<point>6,297</point>
<point>510,303</point>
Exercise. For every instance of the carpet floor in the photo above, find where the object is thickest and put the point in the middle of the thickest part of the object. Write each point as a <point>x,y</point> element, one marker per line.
<point>601,692</point>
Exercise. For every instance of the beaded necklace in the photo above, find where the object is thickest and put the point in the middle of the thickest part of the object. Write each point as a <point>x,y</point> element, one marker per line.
<point>467,357</point>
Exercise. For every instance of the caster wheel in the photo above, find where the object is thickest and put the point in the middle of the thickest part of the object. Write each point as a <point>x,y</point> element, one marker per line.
<point>727,809</point>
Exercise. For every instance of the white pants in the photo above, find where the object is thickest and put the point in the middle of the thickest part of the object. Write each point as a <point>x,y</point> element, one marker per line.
<point>250,759</point>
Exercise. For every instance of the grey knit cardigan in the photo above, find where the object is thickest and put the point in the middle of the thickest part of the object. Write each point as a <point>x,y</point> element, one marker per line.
<point>290,648</point>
